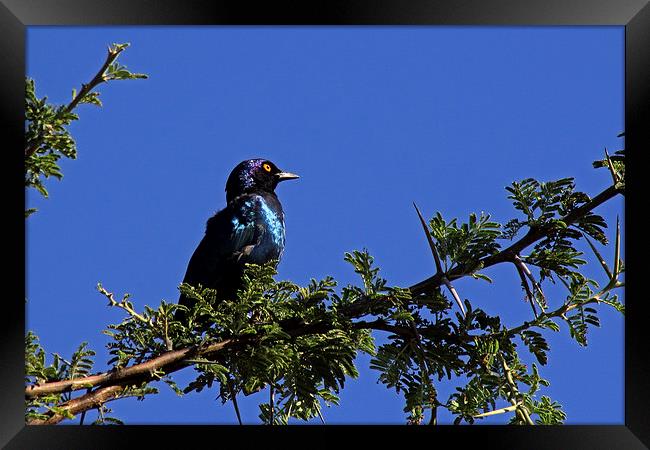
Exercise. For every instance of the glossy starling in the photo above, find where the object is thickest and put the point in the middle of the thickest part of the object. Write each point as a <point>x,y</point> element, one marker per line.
<point>250,229</point>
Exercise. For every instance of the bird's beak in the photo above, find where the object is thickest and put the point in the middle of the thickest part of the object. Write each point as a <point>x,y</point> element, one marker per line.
<point>286,176</point>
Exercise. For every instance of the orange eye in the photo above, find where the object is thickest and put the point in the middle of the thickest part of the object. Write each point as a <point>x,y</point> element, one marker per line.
<point>267,167</point>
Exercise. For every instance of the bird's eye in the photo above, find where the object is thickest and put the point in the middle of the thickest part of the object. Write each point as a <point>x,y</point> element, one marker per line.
<point>267,167</point>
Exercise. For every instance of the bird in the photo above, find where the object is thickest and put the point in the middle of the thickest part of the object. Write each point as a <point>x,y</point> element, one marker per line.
<point>250,229</point>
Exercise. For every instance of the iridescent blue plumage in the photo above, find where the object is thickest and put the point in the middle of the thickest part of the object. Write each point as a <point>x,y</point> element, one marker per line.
<point>250,229</point>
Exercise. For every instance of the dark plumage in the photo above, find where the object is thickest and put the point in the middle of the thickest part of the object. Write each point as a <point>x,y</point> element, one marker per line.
<point>250,229</point>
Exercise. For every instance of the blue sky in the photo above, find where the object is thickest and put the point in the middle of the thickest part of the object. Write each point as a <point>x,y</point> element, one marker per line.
<point>372,118</point>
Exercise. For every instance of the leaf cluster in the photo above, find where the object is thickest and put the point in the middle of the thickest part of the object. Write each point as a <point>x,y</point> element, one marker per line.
<point>545,205</point>
<point>467,243</point>
<point>46,125</point>
<point>39,370</point>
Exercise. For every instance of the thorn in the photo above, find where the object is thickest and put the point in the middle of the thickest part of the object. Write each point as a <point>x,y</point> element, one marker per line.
<point>601,260</point>
<point>530,276</point>
<point>436,258</point>
<point>234,401</point>
<point>321,416</point>
<point>524,284</point>
<point>455,295</point>
<point>617,249</point>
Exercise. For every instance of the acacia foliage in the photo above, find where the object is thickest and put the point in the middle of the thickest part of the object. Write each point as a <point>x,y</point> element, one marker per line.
<point>301,342</point>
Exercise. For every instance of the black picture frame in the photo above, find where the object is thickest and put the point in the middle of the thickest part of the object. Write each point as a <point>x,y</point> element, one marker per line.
<point>634,15</point>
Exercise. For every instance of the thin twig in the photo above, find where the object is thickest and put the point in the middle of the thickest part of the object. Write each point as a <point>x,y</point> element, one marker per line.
<point>498,411</point>
<point>122,304</point>
<point>520,408</point>
<point>559,312</point>
<point>168,342</point>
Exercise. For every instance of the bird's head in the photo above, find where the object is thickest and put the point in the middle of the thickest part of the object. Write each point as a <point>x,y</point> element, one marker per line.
<point>255,174</point>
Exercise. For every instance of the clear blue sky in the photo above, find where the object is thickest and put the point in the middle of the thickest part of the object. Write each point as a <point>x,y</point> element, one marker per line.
<point>372,118</point>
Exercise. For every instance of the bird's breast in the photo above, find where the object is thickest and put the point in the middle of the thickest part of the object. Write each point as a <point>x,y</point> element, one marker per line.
<point>274,222</point>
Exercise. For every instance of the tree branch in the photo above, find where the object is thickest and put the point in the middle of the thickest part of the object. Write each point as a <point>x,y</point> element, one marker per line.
<point>559,312</point>
<point>86,402</point>
<point>534,234</point>
<point>168,361</point>
<point>361,307</point>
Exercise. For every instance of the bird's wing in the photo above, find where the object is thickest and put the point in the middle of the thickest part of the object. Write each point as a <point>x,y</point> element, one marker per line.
<point>230,234</point>
<point>246,231</point>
